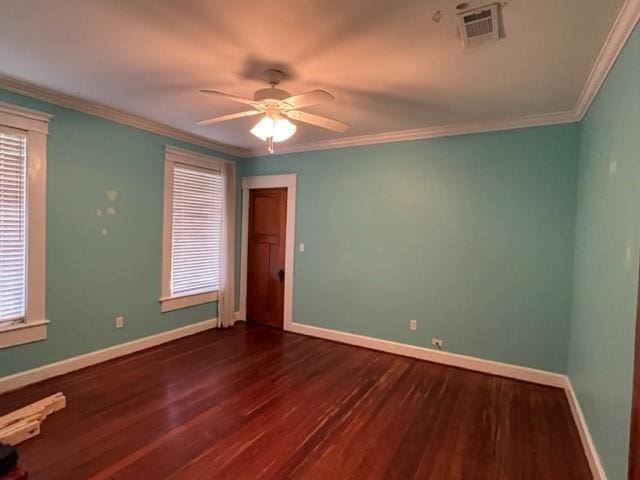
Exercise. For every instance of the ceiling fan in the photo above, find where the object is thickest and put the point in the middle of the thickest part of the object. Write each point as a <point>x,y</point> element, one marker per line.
<point>278,106</point>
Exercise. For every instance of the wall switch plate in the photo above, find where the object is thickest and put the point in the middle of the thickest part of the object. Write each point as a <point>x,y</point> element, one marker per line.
<point>437,342</point>
<point>119,322</point>
<point>413,324</point>
<point>301,247</point>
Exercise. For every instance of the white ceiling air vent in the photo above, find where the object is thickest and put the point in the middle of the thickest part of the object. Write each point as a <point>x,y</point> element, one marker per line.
<point>479,24</point>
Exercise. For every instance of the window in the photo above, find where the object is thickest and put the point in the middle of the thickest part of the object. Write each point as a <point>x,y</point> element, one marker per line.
<point>23,137</point>
<point>13,196</point>
<point>193,229</point>
<point>196,230</point>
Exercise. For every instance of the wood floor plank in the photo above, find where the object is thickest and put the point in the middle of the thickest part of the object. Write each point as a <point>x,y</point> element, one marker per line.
<point>256,403</point>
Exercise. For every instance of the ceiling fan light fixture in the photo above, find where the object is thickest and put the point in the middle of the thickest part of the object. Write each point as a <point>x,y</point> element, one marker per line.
<point>283,129</point>
<point>264,128</point>
<point>277,106</point>
<point>279,129</point>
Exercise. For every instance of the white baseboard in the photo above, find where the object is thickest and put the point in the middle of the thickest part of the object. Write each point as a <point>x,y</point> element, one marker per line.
<point>453,359</point>
<point>28,377</point>
<point>517,372</point>
<point>585,436</point>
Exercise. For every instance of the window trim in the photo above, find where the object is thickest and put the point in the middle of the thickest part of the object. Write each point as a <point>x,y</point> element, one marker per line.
<point>182,156</point>
<point>36,126</point>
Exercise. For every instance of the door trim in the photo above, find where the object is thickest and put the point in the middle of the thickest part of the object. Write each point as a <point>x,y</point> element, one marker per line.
<point>270,181</point>
<point>634,430</point>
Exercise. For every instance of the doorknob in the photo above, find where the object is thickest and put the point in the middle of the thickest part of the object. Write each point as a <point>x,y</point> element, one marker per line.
<point>281,275</point>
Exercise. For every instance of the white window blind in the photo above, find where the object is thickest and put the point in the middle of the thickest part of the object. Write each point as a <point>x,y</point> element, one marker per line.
<point>13,149</point>
<point>196,230</point>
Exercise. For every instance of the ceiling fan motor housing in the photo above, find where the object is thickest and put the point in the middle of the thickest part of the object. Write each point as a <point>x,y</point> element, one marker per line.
<point>271,94</point>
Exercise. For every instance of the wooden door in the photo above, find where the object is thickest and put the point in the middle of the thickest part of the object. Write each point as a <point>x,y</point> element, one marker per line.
<point>265,256</point>
<point>634,446</point>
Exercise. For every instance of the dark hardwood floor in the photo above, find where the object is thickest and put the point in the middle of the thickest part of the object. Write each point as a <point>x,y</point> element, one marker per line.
<point>254,402</point>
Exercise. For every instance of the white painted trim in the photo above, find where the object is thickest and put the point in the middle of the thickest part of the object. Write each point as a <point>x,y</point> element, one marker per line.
<point>623,26</point>
<point>24,118</point>
<point>541,377</point>
<point>28,377</point>
<point>99,110</point>
<point>36,225</point>
<point>172,156</point>
<point>35,125</point>
<point>429,132</point>
<point>290,237</point>
<point>23,333</point>
<point>621,30</point>
<point>167,226</point>
<point>113,114</point>
<point>194,158</point>
<point>175,303</point>
<point>616,39</point>
<point>244,247</point>
<point>270,181</point>
<point>517,372</point>
<point>585,436</point>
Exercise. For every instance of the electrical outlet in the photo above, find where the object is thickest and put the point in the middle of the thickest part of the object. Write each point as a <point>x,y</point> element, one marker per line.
<point>119,322</point>
<point>437,342</point>
<point>413,324</point>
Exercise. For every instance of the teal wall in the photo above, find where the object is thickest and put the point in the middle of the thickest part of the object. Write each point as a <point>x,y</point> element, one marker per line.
<point>470,235</point>
<point>92,278</point>
<point>606,260</point>
<point>477,237</point>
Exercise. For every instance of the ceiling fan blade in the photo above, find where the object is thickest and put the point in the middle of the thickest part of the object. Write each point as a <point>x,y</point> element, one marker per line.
<point>231,116</point>
<point>317,120</point>
<point>229,97</point>
<point>313,97</point>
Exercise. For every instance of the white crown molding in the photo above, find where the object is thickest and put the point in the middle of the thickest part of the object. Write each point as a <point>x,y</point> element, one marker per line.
<point>92,108</point>
<point>429,132</point>
<point>116,115</point>
<point>616,39</point>
<point>622,28</point>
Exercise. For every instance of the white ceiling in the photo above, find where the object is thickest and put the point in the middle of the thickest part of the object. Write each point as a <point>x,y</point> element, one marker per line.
<point>388,64</point>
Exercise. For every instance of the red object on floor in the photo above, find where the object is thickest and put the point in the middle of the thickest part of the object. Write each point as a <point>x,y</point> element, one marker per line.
<point>15,474</point>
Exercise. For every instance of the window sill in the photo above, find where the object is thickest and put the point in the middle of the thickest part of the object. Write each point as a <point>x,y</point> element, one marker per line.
<point>168,304</point>
<point>23,333</point>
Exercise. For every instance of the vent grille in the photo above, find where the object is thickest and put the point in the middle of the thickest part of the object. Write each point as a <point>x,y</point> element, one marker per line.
<point>479,25</point>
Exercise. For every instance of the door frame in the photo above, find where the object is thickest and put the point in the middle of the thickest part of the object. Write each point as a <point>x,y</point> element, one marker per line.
<point>287,181</point>
<point>634,434</point>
